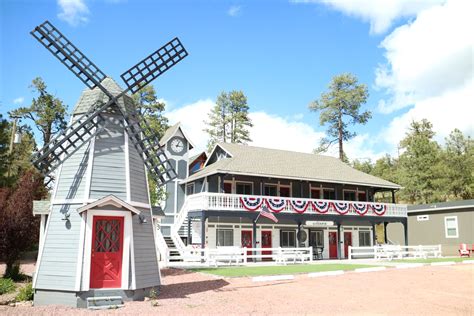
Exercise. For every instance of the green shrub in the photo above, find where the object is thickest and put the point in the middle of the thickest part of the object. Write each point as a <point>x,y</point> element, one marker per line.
<point>6,286</point>
<point>15,274</point>
<point>25,293</point>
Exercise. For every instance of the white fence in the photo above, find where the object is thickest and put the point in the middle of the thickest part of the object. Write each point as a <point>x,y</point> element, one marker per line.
<point>240,256</point>
<point>394,251</point>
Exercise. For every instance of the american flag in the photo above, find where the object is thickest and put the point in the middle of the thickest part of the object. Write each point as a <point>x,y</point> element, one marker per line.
<point>265,212</point>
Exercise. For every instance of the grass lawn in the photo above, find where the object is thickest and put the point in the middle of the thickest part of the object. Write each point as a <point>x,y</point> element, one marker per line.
<point>429,260</point>
<point>273,270</point>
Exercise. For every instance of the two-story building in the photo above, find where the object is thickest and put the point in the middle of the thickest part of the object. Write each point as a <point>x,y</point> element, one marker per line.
<point>318,200</point>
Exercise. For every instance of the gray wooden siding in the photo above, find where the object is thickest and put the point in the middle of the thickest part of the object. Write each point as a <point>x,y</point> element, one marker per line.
<point>146,264</point>
<point>138,185</point>
<point>182,169</point>
<point>55,297</point>
<point>57,269</point>
<point>72,178</point>
<point>181,196</point>
<point>108,173</point>
<point>169,205</point>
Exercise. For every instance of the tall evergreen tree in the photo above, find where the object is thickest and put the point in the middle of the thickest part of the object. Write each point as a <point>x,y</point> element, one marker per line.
<point>229,119</point>
<point>339,108</point>
<point>47,112</point>
<point>4,156</point>
<point>459,165</point>
<point>420,168</point>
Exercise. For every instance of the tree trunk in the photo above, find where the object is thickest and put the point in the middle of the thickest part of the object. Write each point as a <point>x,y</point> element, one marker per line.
<point>341,149</point>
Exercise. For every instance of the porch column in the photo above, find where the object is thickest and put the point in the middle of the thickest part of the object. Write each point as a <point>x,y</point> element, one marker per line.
<point>297,234</point>
<point>339,252</point>
<point>385,224</point>
<point>393,197</point>
<point>189,230</point>
<point>374,234</point>
<point>405,230</point>
<point>254,238</point>
<point>203,231</point>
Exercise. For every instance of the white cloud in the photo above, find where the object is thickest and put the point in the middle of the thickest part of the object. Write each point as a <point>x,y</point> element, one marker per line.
<point>428,57</point>
<point>19,100</point>
<point>269,131</point>
<point>74,12</point>
<point>234,10</point>
<point>381,14</point>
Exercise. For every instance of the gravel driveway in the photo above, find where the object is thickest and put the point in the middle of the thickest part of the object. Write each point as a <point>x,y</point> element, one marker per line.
<point>441,290</point>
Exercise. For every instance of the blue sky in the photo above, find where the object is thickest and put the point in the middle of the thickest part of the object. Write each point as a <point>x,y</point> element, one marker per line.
<point>282,54</point>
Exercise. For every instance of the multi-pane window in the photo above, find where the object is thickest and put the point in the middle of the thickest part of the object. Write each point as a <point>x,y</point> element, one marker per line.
<point>451,226</point>
<point>349,196</point>
<point>285,191</point>
<point>317,238</point>
<point>270,190</point>
<point>288,238</point>
<point>364,238</point>
<point>243,188</point>
<point>190,189</point>
<point>329,194</point>
<point>225,237</point>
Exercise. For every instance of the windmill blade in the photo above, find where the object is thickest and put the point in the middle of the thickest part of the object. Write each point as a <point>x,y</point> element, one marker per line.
<point>148,146</point>
<point>69,55</point>
<point>154,65</point>
<point>61,147</point>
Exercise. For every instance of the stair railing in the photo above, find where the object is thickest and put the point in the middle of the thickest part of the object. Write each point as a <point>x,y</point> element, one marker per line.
<point>163,249</point>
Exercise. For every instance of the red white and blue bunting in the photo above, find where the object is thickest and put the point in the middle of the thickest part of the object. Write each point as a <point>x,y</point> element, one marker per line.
<point>379,209</point>
<point>341,207</point>
<point>251,203</point>
<point>360,208</point>
<point>299,206</point>
<point>321,206</point>
<point>275,204</point>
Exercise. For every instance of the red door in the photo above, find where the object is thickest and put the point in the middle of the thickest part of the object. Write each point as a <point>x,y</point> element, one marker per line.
<point>106,254</point>
<point>267,243</point>
<point>247,240</point>
<point>347,242</point>
<point>285,191</point>
<point>333,245</point>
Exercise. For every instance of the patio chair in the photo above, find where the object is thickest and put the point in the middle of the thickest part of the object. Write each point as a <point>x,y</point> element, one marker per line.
<point>464,251</point>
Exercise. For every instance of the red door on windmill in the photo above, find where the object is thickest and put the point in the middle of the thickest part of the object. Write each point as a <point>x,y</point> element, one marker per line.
<point>246,238</point>
<point>332,245</point>
<point>106,252</point>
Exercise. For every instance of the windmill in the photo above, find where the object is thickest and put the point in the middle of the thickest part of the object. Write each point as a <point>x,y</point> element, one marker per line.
<point>99,234</point>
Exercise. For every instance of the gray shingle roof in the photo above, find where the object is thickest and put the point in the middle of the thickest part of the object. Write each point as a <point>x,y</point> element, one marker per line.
<point>441,206</point>
<point>93,97</point>
<point>276,163</point>
<point>168,133</point>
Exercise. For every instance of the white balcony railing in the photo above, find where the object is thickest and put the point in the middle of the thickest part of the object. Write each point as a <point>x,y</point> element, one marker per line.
<point>237,202</point>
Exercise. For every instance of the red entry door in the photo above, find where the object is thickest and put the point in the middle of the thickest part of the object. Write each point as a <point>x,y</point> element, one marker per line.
<point>247,240</point>
<point>267,243</point>
<point>347,242</point>
<point>106,254</point>
<point>333,245</point>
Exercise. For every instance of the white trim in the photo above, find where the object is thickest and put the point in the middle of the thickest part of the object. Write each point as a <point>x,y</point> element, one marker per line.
<point>126,246</point>
<point>232,187</point>
<point>210,155</point>
<point>269,185</point>
<point>435,209</point>
<point>41,249</point>
<point>90,163</point>
<point>446,218</point>
<point>319,188</point>
<point>243,182</point>
<point>127,168</point>
<point>109,200</point>
<point>289,186</point>
<point>80,252</point>
<point>84,201</point>
<point>133,285</point>
<point>263,175</point>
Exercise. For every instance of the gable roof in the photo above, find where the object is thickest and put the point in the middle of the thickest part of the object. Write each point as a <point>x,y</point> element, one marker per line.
<point>170,132</point>
<point>441,206</point>
<point>265,162</point>
<point>109,200</point>
<point>193,158</point>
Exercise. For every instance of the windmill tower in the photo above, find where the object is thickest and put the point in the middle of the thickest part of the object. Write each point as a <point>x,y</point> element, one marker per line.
<point>98,245</point>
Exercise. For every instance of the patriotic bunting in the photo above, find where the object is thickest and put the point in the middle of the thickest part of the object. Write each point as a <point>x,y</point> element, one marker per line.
<point>360,208</point>
<point>299,206</point>
<point>320,206</point>
<point>341,207</point>
<point>276,205</point>
<point>251,203</point>
<point>379,209</point>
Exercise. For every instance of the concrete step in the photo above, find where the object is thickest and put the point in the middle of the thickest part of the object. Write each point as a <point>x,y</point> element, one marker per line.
<point>104,302</point>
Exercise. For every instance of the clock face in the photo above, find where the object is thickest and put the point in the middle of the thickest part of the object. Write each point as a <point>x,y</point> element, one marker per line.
<point>177,145</point>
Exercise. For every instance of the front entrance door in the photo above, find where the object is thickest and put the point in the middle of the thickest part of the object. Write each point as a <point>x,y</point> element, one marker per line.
<point>247,240</point>
<point>333,245</point>
<point>267,243</point>
<point>106,252</point>
<point>347,242</point>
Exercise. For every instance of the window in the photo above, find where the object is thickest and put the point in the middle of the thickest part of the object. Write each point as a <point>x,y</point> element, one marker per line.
<point>190,189</point>
<point>243,188</point>
<point>349,195</point>
<point>316,238</point>
<point>451,226</point>
<point>364,238</point>
<point>315,193</point>
<point>228,187</point>
<point>288,238</point>
<point>362,196</point>
<point>285,191</point>
<point>270,190</point>
<point>329,194</point>
<point>225,237</point>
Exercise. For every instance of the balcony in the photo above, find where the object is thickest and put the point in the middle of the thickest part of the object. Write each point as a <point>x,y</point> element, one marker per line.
<point>252,203</point>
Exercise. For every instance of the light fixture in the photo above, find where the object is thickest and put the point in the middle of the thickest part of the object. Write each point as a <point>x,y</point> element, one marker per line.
<point>142,218</point>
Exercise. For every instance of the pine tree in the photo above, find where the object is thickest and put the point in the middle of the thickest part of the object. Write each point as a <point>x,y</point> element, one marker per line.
<point>229,119</point>
<point>339,108</point>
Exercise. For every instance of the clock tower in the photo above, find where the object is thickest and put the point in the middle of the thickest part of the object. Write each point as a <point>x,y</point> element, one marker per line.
<point>177,147</point>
